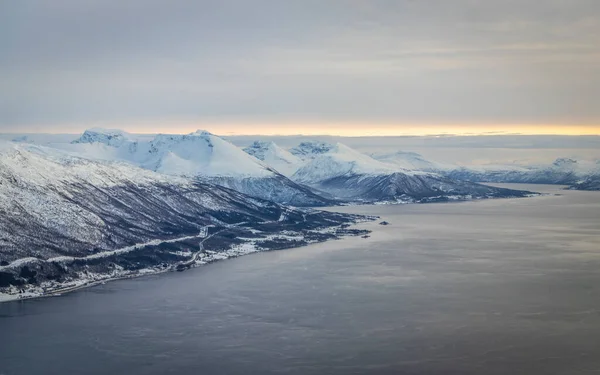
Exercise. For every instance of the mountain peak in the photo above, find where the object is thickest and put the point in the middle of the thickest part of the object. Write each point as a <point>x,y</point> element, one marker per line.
<point>262,144</point>
<point>310,149</point>
<point>202,133</point>
<point>326,161</point>
<point>260,147</point>
<point>110,137</point>
<point>274,156</point>
<point>564,162</point>
<point>21,139</point>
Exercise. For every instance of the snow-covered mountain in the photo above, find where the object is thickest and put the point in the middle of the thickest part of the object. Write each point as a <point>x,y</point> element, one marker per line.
<point>109,137</point>
<point>581,174</point>
<point>274,156</point>
<point>563,171</point>
<point>196,154</point>
<point>65,218</point>
<point>346,173</point>
<point>589,183</point>
<point>200,155</point>
<point>325,161</point>
<point>410,161</point>
<point>55,204</point>
<point>311,149</point>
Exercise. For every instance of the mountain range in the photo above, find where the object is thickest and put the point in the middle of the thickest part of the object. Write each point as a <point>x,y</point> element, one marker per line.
<point>563,171</point>
<point>310,174</point>
<point>199,155</point>
<point>112,204</point>
<point>67,220</point>
<point>344,172</point>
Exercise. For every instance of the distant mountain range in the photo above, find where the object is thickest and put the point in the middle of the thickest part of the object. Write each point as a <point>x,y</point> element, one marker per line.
<point>572,171</point>
<point>563,171</point>
<point>112,204</point>
<point>589,183</point>
<point>579,174</point>
<point>346,174</point>
<point>310,174</point>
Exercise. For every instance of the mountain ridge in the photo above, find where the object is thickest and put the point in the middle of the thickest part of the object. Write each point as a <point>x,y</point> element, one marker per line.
<point>68,220</point>
<point>201,155</point>
<point>348,174</point>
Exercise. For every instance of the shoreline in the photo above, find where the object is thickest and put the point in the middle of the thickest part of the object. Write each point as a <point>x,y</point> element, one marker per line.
<point>70,289</point>
<point>195,261</point>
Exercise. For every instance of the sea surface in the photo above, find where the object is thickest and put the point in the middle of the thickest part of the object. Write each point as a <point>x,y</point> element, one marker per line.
<point>508,286</point>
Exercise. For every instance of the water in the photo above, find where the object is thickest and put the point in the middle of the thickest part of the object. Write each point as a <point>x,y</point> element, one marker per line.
<point>490,287</point>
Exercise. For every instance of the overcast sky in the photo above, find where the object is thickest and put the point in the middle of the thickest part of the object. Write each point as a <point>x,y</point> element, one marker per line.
<point>300,66</point>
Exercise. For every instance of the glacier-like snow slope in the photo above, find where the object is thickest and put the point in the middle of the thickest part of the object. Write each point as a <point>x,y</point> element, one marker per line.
<point>346,173</point>
<point>200,155</point>
<point>274,156</point>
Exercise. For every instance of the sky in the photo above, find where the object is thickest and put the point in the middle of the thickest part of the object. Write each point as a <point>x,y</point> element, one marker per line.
<point>345,67</point>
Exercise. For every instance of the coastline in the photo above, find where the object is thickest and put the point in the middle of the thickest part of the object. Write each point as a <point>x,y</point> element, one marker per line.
<point>197,259</point>
<point>202,257</point>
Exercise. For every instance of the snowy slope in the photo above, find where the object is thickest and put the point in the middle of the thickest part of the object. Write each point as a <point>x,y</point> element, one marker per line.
<point>325,161</point>
<point>563,171</point>
<point>200,155</point>
<point>109,137</point>
<point>274,156</point>
<point>591,182</point>
<point>348,174</point>
<point>62,216</point>
<point>410,161</point>
<point>311,149</point>
<point>59,204</point>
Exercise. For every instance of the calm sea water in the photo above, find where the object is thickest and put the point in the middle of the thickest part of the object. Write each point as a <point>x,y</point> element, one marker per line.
<point>490,287</point>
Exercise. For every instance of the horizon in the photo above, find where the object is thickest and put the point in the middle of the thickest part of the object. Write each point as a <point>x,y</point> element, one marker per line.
<point>462,149</point>
<point>290,133</point>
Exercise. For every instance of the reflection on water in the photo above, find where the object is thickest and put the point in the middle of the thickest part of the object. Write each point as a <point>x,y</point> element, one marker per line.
<point>494,287</point>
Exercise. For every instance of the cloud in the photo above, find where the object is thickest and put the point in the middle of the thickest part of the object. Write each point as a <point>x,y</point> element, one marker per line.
<point>427,61</point>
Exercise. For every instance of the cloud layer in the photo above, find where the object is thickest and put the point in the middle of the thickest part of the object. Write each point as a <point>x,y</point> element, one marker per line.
<point>85,62</point>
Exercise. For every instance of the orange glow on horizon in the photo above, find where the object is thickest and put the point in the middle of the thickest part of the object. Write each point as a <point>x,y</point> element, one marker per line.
<point>363,130</point>
<point>347,129</point>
